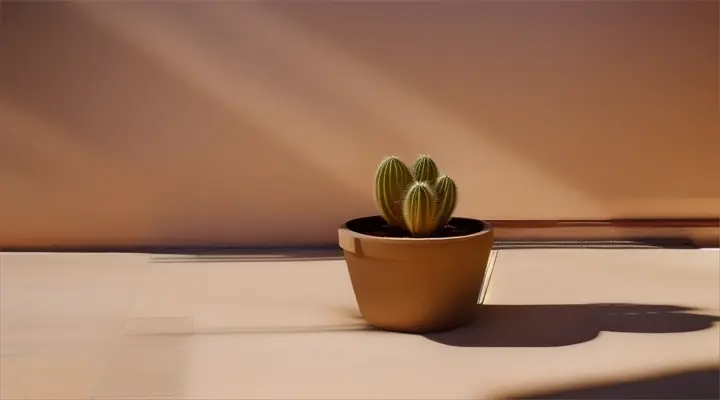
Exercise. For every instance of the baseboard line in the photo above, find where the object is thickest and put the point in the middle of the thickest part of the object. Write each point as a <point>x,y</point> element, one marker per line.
<point>700,232</point>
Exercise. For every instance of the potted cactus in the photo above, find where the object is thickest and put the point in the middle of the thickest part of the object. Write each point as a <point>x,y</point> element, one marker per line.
<point>415,268</point>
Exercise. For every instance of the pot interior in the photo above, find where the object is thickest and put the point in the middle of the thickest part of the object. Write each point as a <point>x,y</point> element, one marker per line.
<point>377,226</point>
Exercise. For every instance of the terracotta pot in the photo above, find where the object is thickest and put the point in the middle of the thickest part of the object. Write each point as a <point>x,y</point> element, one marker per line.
<point>416,285</point>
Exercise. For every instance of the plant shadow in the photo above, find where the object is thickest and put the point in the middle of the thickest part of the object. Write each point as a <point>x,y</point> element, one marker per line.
<point>555,325</point>
<point>699,383</point>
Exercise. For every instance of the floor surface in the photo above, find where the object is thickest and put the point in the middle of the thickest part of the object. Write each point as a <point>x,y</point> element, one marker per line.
<point>560,323</point>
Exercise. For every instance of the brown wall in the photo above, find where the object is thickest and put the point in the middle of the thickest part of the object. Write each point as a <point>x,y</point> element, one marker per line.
<point>249,123</point>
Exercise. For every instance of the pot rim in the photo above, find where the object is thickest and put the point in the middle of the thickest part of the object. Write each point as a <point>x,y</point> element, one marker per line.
<point>346,231</point>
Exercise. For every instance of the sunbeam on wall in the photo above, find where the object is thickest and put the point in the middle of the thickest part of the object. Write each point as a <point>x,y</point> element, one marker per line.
<point>250,123</point>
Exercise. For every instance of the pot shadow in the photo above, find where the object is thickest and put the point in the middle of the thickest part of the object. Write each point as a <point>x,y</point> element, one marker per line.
<point>700,383</point>
<point>567,324</point>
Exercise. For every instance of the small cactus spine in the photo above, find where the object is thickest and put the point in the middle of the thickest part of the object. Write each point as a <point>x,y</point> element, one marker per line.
<point>391,181</point>
<point>447,198</point>
<point>420,209</point>
<point>424,169</point>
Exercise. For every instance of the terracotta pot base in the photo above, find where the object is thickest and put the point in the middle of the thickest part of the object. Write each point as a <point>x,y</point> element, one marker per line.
<point>416,285</point>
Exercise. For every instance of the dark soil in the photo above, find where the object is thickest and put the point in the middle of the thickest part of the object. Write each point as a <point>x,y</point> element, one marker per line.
<point>376,226</point>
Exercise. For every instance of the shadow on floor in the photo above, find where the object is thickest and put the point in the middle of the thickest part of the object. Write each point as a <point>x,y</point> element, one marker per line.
<point>269,330</point>
<point>205,254</point>
<point>246,255</point>
<point>351,321</point>
<point>701,383</point>
<point>567,324</point>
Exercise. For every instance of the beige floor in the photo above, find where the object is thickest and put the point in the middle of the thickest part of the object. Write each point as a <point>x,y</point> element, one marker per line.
<point>133,326</point>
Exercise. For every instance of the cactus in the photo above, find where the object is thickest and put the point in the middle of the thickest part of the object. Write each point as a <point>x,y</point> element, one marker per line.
<point>414,199</point>
<point>424,169</point>
<point>420,209</point>
<point>447,198</point>
<point>391,181</point>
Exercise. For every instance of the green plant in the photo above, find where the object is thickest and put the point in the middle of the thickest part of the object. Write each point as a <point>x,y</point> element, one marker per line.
<point>414,198</point>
